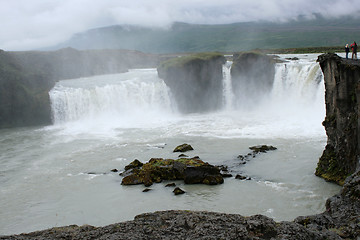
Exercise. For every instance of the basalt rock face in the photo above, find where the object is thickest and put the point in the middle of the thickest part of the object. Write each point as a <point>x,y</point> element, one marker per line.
<point>195,81</point>
<point>187,225</point>
<point>342,96</point>
<point>252,77</point>
<point>27,77</point>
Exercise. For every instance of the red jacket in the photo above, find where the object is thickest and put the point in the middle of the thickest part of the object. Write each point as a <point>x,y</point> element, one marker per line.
<point>354,47</point>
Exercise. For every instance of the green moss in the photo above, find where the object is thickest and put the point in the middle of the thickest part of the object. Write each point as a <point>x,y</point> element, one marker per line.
<point>158,169</point>
<point>329,167</point>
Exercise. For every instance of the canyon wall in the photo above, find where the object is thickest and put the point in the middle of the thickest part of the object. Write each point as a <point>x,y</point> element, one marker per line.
<point>342,96</point>
<point>27,77</point>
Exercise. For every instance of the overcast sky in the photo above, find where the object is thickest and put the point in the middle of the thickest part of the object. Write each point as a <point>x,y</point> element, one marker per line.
<point>31,24</point>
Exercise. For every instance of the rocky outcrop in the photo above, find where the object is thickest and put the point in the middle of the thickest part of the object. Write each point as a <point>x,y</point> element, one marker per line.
<point>27,77</point>
<point>191,170</point>
<point>252,77</point>
<point>342,96</point>
<point>187,225</point>
<point>183,148</point>
<point>195,81</point>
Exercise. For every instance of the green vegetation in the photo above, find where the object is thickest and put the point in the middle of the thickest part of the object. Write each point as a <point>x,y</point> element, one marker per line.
<point>329,167</point>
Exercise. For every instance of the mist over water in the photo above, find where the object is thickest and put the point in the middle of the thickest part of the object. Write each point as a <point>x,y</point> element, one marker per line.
<point>60,174</point>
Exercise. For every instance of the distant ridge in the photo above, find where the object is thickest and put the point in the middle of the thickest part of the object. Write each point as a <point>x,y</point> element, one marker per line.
<point>183,37</point>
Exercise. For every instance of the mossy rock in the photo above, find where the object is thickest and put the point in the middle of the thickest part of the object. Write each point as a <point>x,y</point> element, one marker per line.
<point>183,148</point>
<point>262,148</point>
<point>191,170</point>
<point>178,191</point>
<point>329,168</point>
<point>134,164</point>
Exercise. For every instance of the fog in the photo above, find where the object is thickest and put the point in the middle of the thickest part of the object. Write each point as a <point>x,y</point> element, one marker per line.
<point>34,24</point>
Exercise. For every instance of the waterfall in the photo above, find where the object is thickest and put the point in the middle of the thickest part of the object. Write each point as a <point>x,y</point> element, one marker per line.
<point>296,84</point>
<point>300,83</point>
<point>139,98</point>
<point>228,95</point>
<point>136,95</point>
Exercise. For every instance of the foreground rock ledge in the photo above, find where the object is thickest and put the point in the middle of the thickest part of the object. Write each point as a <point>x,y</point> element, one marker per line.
<point>341,220</point>
<point>186,225</point>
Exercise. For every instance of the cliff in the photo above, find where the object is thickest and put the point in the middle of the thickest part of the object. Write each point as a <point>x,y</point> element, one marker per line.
<point>27,77</point>
<point>342,96</point>
<point>195,81</point>
<point>252,77</point>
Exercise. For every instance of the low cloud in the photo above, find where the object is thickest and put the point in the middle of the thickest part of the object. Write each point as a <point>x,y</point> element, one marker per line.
<point>39,23</point>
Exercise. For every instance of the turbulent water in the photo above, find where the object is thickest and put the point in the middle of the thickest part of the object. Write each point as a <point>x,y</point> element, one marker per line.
<point>60,174</point>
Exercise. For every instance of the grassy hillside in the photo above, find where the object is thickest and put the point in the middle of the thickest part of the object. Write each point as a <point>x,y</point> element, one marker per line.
<point>184,37</point>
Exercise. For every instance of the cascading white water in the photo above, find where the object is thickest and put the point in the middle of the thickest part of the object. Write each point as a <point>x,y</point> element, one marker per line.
<point>139,99</point>
<point>298,83</point>
<point>138,94</point>
<point>228,96</point>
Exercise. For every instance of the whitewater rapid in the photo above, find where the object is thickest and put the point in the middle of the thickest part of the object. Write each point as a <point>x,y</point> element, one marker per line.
<point>60,175</point>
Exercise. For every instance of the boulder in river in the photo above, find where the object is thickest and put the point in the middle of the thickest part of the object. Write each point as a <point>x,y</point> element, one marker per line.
<point>183,148</point>
<point>191,170</point>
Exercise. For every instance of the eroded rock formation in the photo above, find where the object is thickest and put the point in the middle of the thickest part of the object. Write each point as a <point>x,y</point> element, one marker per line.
<point>252,77</point>
<point>195,81</point>
<point>342,96</point>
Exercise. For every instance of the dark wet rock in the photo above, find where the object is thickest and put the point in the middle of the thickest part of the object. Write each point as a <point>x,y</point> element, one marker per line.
<point>262,148</point>
<point>170,185</point>
<point>187,225</point>
<point>342,97</point>
<point>226,175</point>
<point>182,156</point>
<point>134,164</point>
<point>251,73</point>
<point>178,191</point>
<point>223,168</point>
<point>206,174</point>
<point>293,59</point>
<point>191,170</point>
<point>240,177</point>
<point>114,170</point>
<point>255,150</point>
<point>195,81</point>
<point>183,148</point>
<point>147,190</point>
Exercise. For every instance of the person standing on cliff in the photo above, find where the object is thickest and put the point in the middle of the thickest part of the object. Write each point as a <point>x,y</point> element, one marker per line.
<point>354,50</point>
<point>347,50</point>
